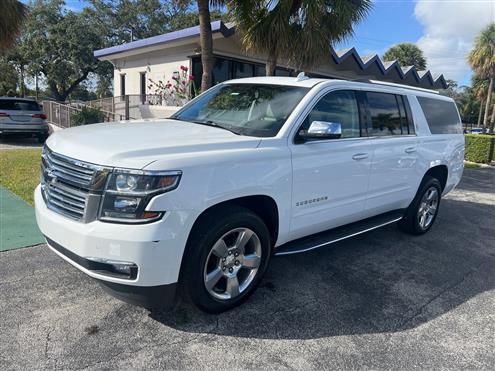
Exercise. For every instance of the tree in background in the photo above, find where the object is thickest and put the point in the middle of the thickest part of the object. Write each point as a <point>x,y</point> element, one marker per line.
<point>406,54</point>
<point>482,60</point>
<point>12,15</point>
<point>59,45</point>
<point>127,20</point>
<point>300,31</point>
<point>8,77</point>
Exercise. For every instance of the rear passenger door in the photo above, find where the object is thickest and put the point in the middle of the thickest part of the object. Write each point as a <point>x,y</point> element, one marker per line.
<point>330,176</point>
<point>393,174</point>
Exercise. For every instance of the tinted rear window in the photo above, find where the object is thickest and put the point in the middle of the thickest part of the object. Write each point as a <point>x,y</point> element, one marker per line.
<point>18,105</point>
<point>441,116</point>
<point>385,114</point>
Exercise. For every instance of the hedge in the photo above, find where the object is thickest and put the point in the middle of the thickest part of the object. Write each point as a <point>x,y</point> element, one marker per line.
<point>480,148</point>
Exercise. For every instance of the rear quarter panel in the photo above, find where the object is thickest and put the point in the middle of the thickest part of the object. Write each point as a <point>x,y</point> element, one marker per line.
<point>437,149</point>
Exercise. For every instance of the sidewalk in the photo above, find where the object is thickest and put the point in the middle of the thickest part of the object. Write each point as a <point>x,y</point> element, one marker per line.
<point>17,223</point>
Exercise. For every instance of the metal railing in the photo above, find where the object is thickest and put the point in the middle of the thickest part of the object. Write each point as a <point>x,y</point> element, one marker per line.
<point>61,114</point>
<point>125,107</point>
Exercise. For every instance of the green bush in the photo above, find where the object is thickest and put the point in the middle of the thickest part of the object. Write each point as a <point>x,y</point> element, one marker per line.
<point>480,148</point>
<point>86,116</point>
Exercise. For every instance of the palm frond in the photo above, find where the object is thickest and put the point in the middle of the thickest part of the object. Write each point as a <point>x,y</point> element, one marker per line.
<point>299,30</point>
<point>12,16</point>
<point>482,56</point>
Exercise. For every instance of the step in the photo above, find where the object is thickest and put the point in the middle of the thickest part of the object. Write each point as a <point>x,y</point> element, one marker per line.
<point>337,234</point>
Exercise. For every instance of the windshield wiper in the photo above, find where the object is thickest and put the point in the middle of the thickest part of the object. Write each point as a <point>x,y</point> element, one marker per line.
<point>217,125</point>
<point>210,123</point>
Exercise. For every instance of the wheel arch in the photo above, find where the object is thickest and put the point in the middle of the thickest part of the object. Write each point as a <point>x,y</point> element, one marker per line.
<point>262,205</point>
<point>440,172</point>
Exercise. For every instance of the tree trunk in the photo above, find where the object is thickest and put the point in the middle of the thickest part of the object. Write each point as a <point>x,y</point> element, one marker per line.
<point>22,88</point>
<point>480,114</point>
<point>206,42</point>
<point>487,106</point>
<point>271,63</point>
<point>492,120</point>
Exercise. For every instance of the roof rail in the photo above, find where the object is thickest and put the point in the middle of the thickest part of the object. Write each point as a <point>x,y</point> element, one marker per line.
<point>378,82</point>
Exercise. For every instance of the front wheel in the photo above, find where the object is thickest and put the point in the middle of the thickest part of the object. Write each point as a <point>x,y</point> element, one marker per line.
<point>422,212</point>
<point>226,256</point>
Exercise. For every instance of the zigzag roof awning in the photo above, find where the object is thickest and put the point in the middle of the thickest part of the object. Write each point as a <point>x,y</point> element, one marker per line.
<point>408,75</point>
<point>347,60</point>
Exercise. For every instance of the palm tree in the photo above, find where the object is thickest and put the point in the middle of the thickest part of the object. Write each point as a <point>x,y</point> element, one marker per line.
<point>11,17</point>
<point>482,60</point>
<point>300,31</point>
<point>406,54</point>
<point>206,39</point>
<point>479,87</point>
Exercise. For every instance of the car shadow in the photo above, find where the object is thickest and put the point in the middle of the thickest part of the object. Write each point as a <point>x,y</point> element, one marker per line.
<point>381,281</point>
<point>16,141</point>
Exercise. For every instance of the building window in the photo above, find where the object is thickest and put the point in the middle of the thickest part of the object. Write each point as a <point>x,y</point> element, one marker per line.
<point>259,70</point>
<point>142,83</point>
<point>122,84</point>
<point>241,69</point>
<point>226,69</point>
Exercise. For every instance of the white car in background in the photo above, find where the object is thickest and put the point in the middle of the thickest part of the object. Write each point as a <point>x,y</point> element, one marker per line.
<point>249,169</point>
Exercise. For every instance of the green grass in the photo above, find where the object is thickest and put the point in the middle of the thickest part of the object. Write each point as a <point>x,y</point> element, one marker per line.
<point>471,165</point>
<point>20,171</point>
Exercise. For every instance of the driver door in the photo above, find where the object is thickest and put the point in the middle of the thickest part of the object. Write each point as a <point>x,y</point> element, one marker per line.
<point>331,176</point>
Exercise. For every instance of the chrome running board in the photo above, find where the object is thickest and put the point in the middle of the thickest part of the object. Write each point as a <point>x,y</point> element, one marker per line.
<point>338,234</point>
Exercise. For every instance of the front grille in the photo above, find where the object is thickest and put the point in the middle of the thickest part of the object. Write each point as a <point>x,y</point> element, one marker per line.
<point>71,187</point>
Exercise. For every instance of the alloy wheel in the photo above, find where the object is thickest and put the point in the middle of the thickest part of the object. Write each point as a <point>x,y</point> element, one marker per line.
<point>232,263</point>
<point>428,208</point>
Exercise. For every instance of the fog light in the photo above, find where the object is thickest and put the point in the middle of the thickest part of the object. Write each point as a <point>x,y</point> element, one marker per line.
<point>114,267</point>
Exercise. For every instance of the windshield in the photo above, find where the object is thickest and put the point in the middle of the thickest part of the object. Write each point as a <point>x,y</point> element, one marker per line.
<point>245,109</point>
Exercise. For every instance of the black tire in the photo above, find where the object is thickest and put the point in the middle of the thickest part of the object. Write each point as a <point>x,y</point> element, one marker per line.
<point>410,223</point>
<point>211,227</point>
<point>42,138</point>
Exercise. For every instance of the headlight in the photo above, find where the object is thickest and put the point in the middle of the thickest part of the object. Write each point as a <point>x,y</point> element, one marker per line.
<point>128,192</point>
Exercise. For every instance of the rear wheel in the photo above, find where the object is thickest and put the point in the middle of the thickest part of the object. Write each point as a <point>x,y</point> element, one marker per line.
<point>422,212</point>
<point>225,258</point>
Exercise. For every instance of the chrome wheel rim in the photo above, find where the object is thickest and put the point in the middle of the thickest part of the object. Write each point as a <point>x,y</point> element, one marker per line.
<point>232,264</point>
<point>428,208</point>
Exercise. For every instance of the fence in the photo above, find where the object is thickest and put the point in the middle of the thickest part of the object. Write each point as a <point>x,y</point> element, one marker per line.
<point>127,107</point>
<point>61,114</point>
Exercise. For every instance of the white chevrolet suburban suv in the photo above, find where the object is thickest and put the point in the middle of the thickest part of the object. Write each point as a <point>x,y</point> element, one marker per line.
<point>200,202</point>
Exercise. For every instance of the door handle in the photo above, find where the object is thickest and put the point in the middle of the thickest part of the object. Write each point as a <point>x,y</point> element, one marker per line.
<point>360,156</point>
<point>410,150</point>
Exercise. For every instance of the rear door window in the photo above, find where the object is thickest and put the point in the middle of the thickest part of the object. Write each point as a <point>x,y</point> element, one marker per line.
<point>384,114</point>
<point>18,105</point>
<point>441,115</point>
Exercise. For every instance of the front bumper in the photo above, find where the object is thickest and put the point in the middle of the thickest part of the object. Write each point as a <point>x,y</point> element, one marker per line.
<point>156,248</point>
<point>24,129</point>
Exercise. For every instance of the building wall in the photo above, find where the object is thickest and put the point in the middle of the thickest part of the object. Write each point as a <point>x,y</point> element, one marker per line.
<point>158,65</point>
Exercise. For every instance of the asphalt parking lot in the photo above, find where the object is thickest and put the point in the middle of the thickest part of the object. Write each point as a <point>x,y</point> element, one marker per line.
<point>382,300</point>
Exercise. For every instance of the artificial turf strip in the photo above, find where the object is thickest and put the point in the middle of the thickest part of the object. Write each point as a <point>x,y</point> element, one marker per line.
<point>17,223</point>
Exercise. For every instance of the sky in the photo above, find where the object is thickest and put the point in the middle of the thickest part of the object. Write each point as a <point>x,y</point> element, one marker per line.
<point>443,29</point>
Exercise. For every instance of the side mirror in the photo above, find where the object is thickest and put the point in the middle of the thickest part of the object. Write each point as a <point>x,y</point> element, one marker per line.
<point>322,130</point>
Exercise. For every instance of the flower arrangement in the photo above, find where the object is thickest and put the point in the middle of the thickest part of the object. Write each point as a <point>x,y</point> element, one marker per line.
<point>177,91</point>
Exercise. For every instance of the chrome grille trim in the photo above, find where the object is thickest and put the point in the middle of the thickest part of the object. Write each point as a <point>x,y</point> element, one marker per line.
<point>71,187</point>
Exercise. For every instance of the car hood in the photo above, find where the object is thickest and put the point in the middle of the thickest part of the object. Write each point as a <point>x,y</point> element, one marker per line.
<point>138,143</point>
